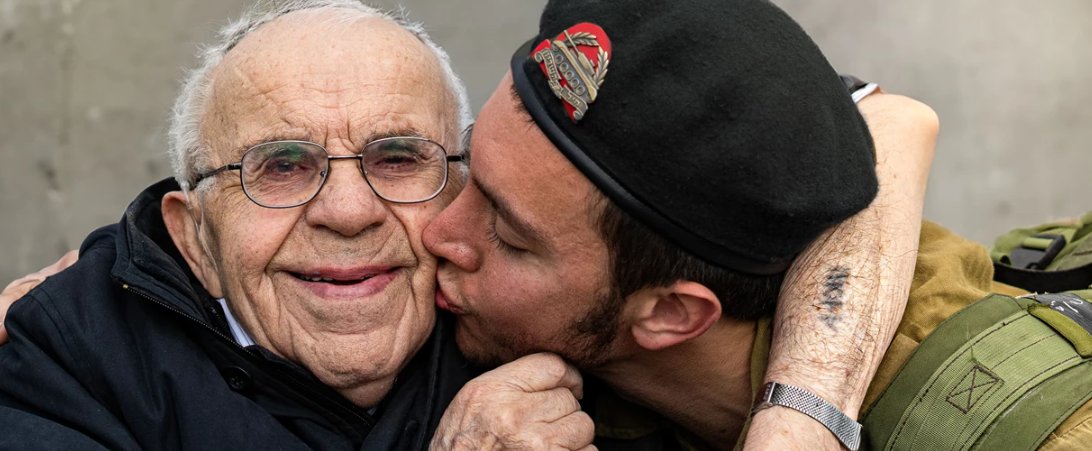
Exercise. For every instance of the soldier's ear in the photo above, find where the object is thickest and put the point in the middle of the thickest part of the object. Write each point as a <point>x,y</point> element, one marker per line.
<point>181,217</point>
<point>662,317</point>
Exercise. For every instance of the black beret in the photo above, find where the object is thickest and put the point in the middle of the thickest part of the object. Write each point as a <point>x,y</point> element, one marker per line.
<point>717,123</point>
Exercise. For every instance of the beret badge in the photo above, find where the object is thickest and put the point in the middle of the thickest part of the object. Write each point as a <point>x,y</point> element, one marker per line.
<point>576,63</point>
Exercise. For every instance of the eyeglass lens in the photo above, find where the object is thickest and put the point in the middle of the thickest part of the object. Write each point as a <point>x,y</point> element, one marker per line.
<point>291,173</point>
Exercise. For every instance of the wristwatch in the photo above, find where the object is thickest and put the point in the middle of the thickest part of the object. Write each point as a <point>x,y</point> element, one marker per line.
<point>858,89</point>
<point>844,428</point>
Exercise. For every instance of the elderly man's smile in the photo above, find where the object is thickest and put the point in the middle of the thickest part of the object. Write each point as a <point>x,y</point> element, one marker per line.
<point>347,282</point>
<point>330,275</point>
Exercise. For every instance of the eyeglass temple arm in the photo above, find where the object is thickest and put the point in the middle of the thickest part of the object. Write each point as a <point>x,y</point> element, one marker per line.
<point>205,175</point>
<point>457,158</point>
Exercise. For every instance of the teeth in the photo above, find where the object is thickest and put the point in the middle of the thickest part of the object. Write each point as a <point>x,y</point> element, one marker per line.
<point>329,280</point>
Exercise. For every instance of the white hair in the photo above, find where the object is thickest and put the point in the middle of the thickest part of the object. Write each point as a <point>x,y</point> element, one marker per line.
<point>183,135</point>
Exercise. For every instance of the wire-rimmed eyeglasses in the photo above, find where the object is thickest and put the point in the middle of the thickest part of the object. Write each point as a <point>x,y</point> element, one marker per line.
<point>286,174</point>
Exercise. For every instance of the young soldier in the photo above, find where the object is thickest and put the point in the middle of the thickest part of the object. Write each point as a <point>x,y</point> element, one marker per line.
<point>641,181</point>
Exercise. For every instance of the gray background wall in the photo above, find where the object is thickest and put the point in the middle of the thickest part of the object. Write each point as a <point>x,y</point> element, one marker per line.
<point>85,86</point>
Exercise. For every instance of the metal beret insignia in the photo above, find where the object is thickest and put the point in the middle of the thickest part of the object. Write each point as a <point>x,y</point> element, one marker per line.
<point>576,64</point>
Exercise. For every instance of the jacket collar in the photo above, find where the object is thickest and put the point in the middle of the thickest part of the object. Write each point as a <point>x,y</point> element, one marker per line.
<point>147,259</point>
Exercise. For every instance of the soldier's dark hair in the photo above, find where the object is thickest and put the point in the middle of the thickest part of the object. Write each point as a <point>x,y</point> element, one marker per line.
<point>641,258</point>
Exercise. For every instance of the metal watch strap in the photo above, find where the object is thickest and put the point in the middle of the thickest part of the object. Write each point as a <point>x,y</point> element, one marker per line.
<point>796,398</point>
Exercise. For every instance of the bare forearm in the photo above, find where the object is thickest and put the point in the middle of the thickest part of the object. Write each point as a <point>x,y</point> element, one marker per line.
<point>844,296</point>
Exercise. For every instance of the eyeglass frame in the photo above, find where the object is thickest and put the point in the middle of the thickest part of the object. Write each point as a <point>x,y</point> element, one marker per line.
<point>238,166</point>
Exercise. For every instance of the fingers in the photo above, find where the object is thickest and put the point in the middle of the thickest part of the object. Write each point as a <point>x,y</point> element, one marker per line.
<point>21,286</point>
<point>540,372</point>
<point>530,403</point>
<point>66,260</point>
<point>15,290</point>
<point>573,431</point>
<point>554,404</point>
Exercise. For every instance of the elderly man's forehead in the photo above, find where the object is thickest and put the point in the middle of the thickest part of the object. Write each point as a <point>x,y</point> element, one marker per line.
<point>304,72</point>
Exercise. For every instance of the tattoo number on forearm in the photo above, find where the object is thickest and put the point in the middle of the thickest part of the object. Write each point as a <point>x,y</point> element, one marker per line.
<point>833,292</point>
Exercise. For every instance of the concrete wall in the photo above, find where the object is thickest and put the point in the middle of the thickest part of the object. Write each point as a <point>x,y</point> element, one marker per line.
<point>85,87</point>
<point>1011,81</point>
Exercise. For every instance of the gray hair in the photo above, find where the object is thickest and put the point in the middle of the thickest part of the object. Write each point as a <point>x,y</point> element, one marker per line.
<point>183,135</point>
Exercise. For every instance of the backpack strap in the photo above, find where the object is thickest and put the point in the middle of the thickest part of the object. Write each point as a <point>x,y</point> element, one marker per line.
<point>1049,258</point>
<point>1043,281</point>
<point>992,373</point>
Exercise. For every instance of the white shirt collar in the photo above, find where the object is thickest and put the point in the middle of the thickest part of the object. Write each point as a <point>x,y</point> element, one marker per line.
<point>237,330</point>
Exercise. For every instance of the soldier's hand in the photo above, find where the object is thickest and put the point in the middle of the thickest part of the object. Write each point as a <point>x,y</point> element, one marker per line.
<point>21,286</point>
<point>528,404</point>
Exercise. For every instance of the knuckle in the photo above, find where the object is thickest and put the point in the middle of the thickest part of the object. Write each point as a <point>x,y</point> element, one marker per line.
<point>564,398</point>
<point>542,359</point>
<point>478,390</point>
<point>464,441</point>
<point>473,401</point>
<point>584,421</point>
<point>508,424</point>
<point>553,366</point>
<point>579,429</point>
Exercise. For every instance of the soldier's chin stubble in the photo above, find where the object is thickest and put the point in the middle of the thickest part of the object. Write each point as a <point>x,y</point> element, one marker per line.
<point>587,342</point>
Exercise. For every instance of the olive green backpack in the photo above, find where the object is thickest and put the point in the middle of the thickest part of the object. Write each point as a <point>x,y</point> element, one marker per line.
<point>1004,372</point>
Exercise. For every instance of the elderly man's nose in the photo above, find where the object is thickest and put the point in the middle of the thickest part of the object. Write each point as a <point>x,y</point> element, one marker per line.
<point>446,237</point>
<point>346,204</point>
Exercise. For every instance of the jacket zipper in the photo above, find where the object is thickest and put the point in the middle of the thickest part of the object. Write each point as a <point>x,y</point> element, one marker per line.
<point>368,422</point>
<point>125,286</point>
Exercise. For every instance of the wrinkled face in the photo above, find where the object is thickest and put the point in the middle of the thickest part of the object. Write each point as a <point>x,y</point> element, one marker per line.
<point>522,263</point>
<point>343,284</point>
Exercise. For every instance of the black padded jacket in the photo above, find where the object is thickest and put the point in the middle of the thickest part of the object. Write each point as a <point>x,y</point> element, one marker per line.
<point>125,350</point>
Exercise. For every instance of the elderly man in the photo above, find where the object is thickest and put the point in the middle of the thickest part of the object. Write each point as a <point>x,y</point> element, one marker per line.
<point>329,338</point>
<point>641,226</point>
<point>273,267</point>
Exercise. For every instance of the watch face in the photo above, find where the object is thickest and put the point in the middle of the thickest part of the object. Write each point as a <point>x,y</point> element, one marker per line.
<point>852,83</point>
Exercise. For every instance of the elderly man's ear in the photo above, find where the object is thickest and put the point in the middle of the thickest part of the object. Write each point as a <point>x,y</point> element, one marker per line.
<point>182,225</point>
<point>662,317</point>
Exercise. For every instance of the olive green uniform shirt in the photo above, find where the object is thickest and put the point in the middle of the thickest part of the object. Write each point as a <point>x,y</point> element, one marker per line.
<point>951,274</point>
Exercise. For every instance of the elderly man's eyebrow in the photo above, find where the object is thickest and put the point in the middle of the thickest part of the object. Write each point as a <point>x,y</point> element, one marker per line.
<point>297,135</point>
<point>505,211</point>
<point>401,131</point>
